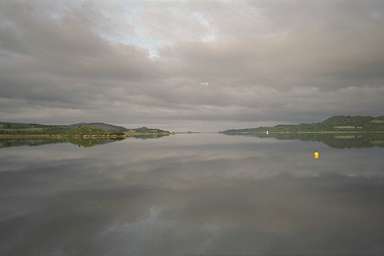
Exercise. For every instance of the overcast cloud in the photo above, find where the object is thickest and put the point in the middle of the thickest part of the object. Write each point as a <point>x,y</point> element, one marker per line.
<point>204,64</point>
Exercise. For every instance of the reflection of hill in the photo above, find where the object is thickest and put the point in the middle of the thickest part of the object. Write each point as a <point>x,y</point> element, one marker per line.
<point>86,143</point>
<point>150,136</point>
<point>5,143</point>
<point>81,142</point>
<point>339,140</point>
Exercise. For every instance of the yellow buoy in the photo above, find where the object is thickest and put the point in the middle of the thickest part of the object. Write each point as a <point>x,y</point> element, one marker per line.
<point>316,155</point>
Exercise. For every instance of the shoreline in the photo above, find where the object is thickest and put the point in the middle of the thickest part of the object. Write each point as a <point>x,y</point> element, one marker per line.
<point>305,132</point>
<point>85,136</point>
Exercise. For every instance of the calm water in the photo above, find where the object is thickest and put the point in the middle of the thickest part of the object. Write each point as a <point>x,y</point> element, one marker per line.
<point>199,194</point>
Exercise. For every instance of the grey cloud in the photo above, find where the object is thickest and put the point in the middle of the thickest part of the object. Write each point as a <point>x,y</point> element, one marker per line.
<point>219,61</point>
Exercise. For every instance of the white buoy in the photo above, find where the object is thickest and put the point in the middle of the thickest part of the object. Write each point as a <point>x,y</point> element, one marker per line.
<point>267,132</point>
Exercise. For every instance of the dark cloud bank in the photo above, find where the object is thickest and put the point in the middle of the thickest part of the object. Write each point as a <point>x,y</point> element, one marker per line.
<point>204,64</point>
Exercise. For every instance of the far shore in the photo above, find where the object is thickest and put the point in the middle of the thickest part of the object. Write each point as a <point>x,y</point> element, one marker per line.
<point>309,132</point>
<point>61,136</point>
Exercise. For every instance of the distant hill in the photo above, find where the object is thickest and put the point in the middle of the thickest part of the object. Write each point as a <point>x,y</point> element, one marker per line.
<point>150,130</point>
<point>103,126</point>
<point>10,125</point>
<point>333,125</point>
<point>79,129</point>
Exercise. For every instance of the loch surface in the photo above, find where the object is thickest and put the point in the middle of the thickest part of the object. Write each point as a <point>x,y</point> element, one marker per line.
<point>191,194</point>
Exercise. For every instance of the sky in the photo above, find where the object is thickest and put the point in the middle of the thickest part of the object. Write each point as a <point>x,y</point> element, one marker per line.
<point>190,64</point>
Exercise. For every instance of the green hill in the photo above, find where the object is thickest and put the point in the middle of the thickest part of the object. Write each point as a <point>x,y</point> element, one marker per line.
<point>103,126</point>
<point>335,124</point>
<point>88,130</point>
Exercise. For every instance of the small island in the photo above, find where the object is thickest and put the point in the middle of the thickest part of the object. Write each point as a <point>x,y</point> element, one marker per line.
<point>80,133</point>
